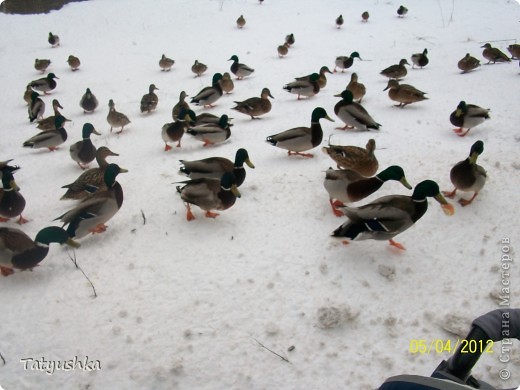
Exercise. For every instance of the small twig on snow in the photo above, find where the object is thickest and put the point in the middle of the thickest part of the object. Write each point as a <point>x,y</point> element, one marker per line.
<point>3,360</point>
<point>144,218</point>
<point>73,259</point>
<point>263,346</point>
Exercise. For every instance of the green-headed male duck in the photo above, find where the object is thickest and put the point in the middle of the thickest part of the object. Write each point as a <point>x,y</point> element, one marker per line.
<point>84,151</point>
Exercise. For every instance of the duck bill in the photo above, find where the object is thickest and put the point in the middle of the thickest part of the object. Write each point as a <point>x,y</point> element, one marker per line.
<point>405,183</point>
<point>447,208</point>
<point>337,95</point>
<point>123,170</point>
<point>14,186</point>
<point>249,163</point>
<point>271,96</point>
<point>473,158</point>
<point>235,191</point>
<point>96,132</point>
<point>72,243</point>
<point>329,118</point>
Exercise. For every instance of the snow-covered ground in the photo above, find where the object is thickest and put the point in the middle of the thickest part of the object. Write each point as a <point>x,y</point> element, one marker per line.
<point>189,304</point>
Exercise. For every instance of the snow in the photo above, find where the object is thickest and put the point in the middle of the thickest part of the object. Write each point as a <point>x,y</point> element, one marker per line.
<point>189,305</point>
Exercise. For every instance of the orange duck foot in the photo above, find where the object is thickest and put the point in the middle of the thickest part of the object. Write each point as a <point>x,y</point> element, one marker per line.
<point>167,147</point>
<point>464,202</point>
<point>53,148</point>
<point>397,245</point>
<point>458,130</point>
<point>463,134</point>
<point>6,271</point>
<point>207,142</point>
<point>22,220</point>
<point>346,127</point>
<point>345,242</point>
<point>449,194</point>
<point>209,214</point>
<point>2,219</point>
<point>99,229</point>
<point>308,155</point>
<point>189,214</point>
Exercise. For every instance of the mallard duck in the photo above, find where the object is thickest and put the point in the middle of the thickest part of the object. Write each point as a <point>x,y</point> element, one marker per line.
<point>166,63</point>
<point>241,22</point>
<point>255,106</point>
<point>420,59</point>
<point>73,62</point>
<point>322,80</point>
<point>238,69</point>
<point>173,132</point>
<point>339,21</point>
<point>353,114</point>
<point>388,216</point>
<point>36,107</point>
<point>209,194</point>
<point>364,16</point>
<point>50,139</point>
<point>514,49</point>
<point>205,118</point>
<point>84,151</point>
<point>301,139</point>
<point>198,68</point>
<point>18,251</point>
<point>404,93</point>
<point>354,158</point>
<point>468,63</point>
<point>215,167</point>
<point>149,101</point>
<point>44,84</point>
<point>212,134</point>
<point>54,40</point>
<point>402,11</point>
<point>346,186</point>
<point>283,50</point>
<point>27,94</point>
<point>49,123</point>
<point>12,203</point>
<point>307,88</point>
<point>115,118</point>
<point>91,214</point>
<point>397,71</point>
<point>91,180</point>
<point>345,62</point>
<point>467,116</point>
<point>493,54</point>
<point>358,89</point>
<point>42,64</point>
<point>4,166</point>
<point>467,175</point>
<point>226,83</point>
<point>88,101</point>
<point>289,39</point>
<point>209,95</point>
<point>180,105</point>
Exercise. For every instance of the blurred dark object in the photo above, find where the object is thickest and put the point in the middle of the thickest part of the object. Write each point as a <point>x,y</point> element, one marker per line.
<point>33,6</point>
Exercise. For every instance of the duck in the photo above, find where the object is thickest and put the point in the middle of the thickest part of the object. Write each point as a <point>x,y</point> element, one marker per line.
<point>403,93</point>
<point>420,59</point>
<point>41,64</point>
<point>345,62</point>
<point>301,139</point>
<point>50,139</point>
<point>166,63</point>
<point>73,62</point>
<point>84,151</point>
<point>306,88</point>
<point>27,94</point>
<point>36,108</point>
<point>339,21</point>
<point>212,134</point>
<point>226,83</point>
<point>240,70</point>
<point>209,194</point>
<point>354,158</point>
<point>91,180</point>
<point>180,105</point>
<point>149,101</point>
<point>346,186</point>
<point>4,166</point>
<point>173,132</point>
<point>397,71</point>
<point>241,21</point>
<point>468,63</point>
<point>322,80</point>
<point>390,215</point>
<point>402,11</point>
<point>88,101</point>
<point>19,252</point>
<point>283,49</point>
<point>94,211</point>
<point>353,114</point>
<point>198,68</point>
<point>289,39</point>
<point>53,39</point>
<point>215,167</point>
<point>49,122</point>
<point>467,116</point>
<point>207,118</point>
<point>467,175</point>
<point>492,54</point>
<point>209,95</point>
<point>44,84</point>
<point>12,203</point>
<point>255,106</point>
<point>514,49</point>
<point>115,118</point>
<point>364,16</point>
